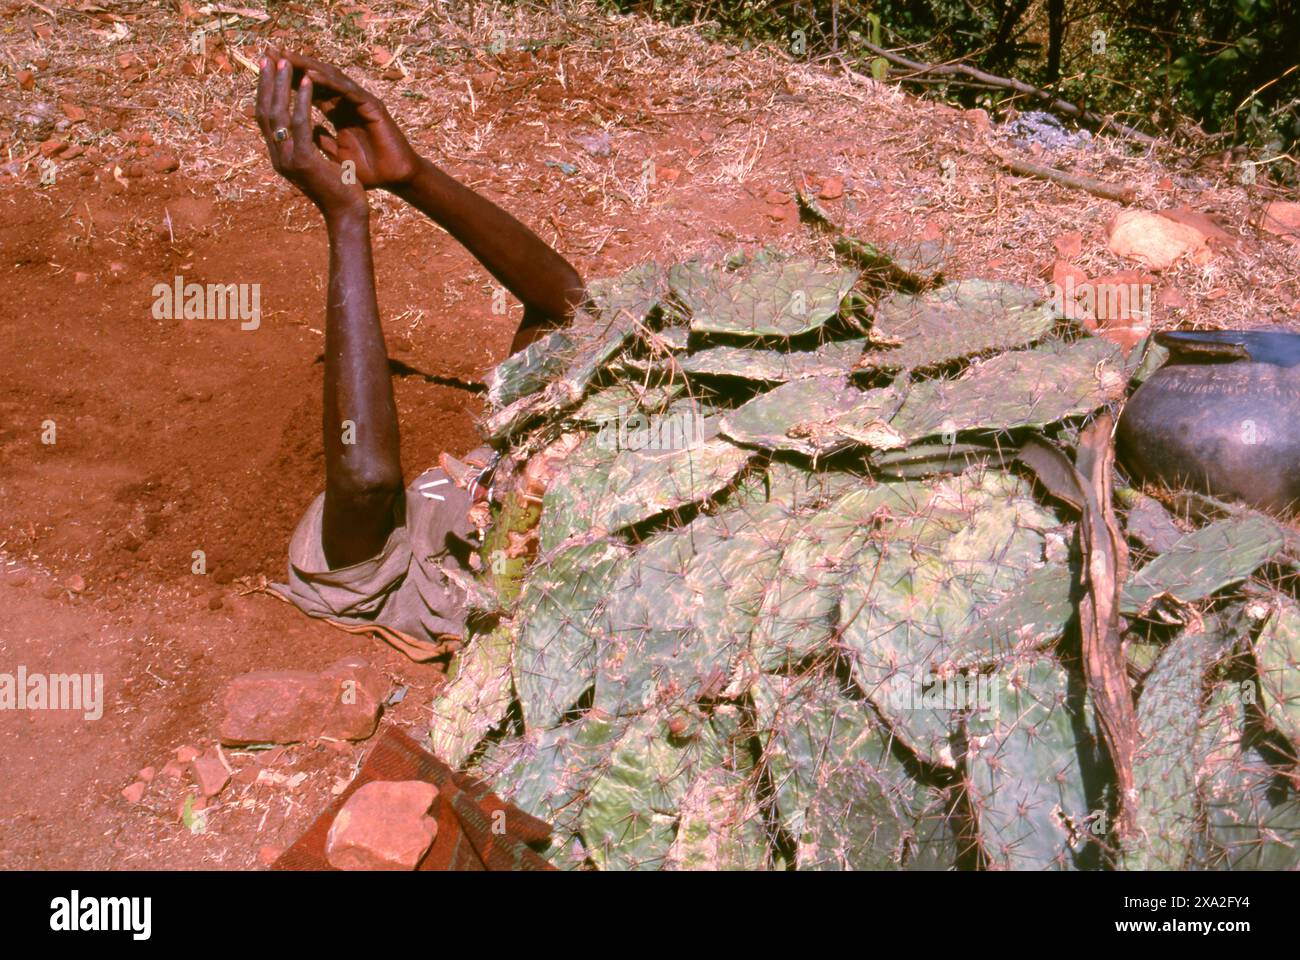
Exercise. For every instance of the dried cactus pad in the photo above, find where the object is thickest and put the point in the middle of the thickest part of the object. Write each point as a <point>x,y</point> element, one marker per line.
<point>777,298</point>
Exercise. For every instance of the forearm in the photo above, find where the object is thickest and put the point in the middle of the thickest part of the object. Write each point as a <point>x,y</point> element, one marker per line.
<point>363,473</point>
<point>524,264</point>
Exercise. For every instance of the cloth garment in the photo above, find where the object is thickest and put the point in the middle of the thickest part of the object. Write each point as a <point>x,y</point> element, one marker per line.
<point>409,593</point>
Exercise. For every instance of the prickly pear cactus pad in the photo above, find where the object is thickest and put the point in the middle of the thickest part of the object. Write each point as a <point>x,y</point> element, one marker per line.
<point>793,601</point>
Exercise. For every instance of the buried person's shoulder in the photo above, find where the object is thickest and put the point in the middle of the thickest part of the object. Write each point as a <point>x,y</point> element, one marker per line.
<point>1222,416</point>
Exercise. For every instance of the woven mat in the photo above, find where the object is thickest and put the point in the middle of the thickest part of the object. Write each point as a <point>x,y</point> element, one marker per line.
<point>466,812</point>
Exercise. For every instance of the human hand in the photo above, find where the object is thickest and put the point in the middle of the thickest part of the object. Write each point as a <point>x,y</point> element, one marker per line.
<point>289,141</point>
<point>364,132</point>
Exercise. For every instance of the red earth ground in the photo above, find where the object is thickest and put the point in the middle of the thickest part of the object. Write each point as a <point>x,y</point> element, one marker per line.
<point>180,435</point>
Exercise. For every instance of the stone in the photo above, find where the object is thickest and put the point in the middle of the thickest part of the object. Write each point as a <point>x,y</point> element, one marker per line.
<point>187,753</point>
<point>162,162</point>
<point>385,825</point>
<point>832,188</point>
<point>978,117</point>
<point>1069,245</point>
<point>289,706</point>
<point>1154,240</point>
<point>1282,217</point>
<point>173,770</point>
<point>268,855</point>
<point>1215,235</point>
<point>210,774</point>
<point>146,774</point>
<point>134,793</point>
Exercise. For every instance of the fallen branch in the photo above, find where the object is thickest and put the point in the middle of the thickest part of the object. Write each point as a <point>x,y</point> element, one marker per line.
<point>1052,101</point>
<point>1097,188</point>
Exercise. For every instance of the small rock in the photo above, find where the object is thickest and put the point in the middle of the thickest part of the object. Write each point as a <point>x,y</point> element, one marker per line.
<point>978,117</point>
<point>1215,235</point>
<point>214,602</point>
<point>385,825</point>
<point>134,793</point>
<point>76,583</point>
<point>80,277</point>
<point>1069,245</point>
<point>832,188</point>
<point>210,774</point>
<point>288,706</point>
<point>26,79</point>
<point>1156,241</point>
<point>187,753</point>
<point>268,855</point>
<point>172,770</point>
<point>776,197</point>
<point>1123,298</point>
<point>1281,217</point>
<point>50,148</point>
<point>146,774</point>
<point>1174,298</point>
<point>162,162</point>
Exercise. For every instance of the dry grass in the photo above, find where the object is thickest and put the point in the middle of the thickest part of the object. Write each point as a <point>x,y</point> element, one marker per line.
<point>711,121</point>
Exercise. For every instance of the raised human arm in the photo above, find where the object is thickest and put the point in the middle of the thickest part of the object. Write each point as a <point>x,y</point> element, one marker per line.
<point>363,473</point>
<point>365,134</point>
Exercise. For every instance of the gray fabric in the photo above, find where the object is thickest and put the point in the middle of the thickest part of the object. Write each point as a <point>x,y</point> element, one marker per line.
<point>405,587</point>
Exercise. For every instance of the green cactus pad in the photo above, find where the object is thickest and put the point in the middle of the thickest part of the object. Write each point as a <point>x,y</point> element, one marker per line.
<point>476,697</point>
<point>1165,764</point>
<point>1028,388</point>
<point>944,555</point>
<point>561,629</point>
<point>1277,654</point>
<point>630,818</point>
<point>777,298</point>
<point>957,320</point>
<point>806,416</point>
<point>1204,561</point>
<point>839,791</point>
<point>1024,767</point>
<point>773,366</point>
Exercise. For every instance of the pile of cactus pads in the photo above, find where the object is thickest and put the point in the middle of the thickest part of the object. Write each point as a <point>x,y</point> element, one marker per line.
<point>779,585</point>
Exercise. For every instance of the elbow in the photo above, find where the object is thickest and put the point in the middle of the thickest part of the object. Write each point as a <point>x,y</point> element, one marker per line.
<point>367,488</point>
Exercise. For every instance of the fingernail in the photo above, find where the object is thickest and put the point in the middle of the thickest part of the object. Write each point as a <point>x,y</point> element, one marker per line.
<point>283,64</point>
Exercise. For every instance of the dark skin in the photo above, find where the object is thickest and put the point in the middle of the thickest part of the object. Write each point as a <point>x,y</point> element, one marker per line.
<point>363,473</point>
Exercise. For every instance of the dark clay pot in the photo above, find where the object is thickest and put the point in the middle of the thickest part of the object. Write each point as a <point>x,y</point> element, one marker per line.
<point>1221,416</point>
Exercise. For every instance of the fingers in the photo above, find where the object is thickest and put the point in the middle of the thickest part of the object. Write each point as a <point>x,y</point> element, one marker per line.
<point>278,113</point>
<point>300,125</point>
<point>325,140</point>
<point>329,79</point>
<point>265,84</point>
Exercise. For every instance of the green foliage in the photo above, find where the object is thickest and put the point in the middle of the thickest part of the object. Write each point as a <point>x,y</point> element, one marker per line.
<point>1221,64</point>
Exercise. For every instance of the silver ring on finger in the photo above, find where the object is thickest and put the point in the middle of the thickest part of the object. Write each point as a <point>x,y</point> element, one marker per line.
<point>280,134</point>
